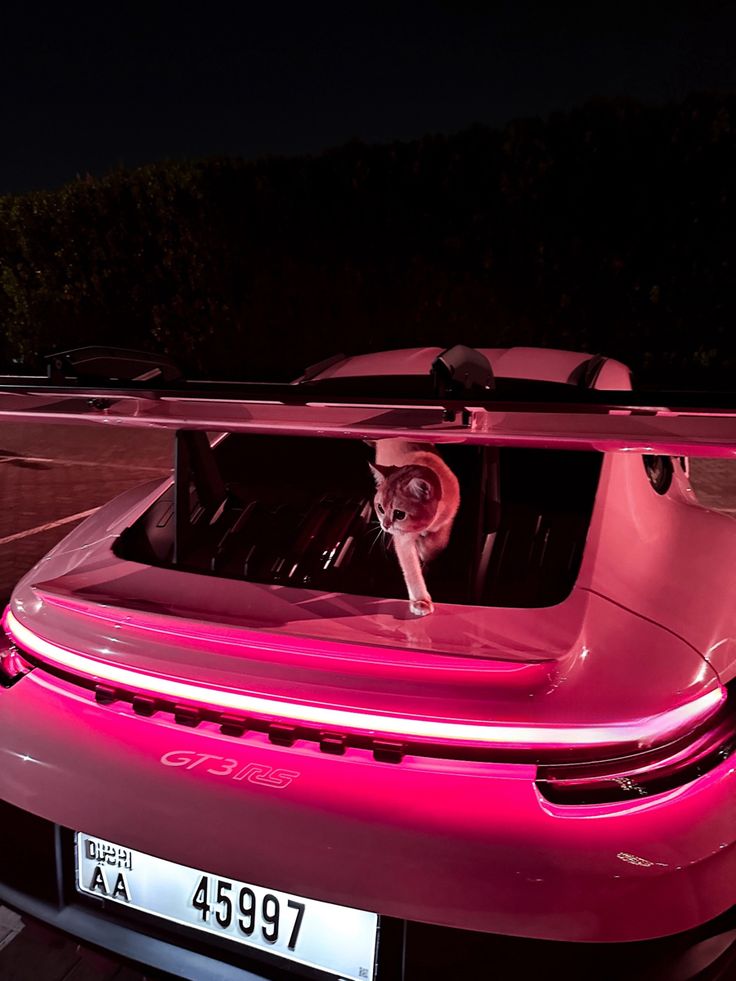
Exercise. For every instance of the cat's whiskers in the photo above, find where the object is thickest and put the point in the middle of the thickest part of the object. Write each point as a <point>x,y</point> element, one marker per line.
<point>378,530</point>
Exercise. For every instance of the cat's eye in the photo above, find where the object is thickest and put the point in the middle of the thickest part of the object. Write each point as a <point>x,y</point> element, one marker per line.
<point>379,508</point>
<point>399,515</point>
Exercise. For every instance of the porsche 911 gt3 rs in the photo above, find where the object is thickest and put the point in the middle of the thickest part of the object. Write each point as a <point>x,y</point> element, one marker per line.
<point>227,745</point>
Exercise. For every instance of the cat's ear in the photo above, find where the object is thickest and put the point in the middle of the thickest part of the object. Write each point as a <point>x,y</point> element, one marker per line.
<point>380,473</point>
<point>419,488</point>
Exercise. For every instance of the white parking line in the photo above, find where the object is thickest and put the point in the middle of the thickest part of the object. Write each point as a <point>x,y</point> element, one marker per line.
<point>82,463</point>
<point>47,527</point>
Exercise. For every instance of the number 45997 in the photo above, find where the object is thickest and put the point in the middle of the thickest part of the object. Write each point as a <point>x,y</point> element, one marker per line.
<point>241,903</point>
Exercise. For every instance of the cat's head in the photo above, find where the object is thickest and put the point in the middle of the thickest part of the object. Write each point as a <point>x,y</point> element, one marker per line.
<point>406,498</point>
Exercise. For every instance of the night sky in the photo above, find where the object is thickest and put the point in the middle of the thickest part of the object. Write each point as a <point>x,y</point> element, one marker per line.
<point>126,84</point>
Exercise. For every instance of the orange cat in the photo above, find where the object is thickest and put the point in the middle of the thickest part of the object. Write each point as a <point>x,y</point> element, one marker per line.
<point>417,497</point>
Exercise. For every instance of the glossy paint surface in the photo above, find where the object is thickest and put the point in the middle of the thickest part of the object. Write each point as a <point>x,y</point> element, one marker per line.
<point>643,643</point>
<point>464,844</point>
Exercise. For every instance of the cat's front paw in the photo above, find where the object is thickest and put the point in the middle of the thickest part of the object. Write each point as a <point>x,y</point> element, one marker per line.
<point>421,607</point>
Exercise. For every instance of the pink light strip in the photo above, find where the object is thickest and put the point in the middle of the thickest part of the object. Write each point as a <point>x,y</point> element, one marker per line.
<point>646,731</point>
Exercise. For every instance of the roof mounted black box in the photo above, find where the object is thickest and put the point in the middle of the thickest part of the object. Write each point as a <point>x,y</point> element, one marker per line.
<point>461,371</point>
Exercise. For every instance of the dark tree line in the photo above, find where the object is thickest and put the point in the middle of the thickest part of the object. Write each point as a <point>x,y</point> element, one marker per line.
<point>609,229</point>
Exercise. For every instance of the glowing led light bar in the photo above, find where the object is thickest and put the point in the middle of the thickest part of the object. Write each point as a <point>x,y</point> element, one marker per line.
<point>644,731</point>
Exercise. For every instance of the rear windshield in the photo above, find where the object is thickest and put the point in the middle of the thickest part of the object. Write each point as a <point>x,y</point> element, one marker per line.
<point>299,513</point>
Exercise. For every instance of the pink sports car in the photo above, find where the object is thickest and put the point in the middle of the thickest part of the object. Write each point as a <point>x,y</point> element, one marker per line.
<point>228,750</point>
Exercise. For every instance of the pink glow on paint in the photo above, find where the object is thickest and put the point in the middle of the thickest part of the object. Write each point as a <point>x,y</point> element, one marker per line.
<point>352,656</point>
<point>12,665</point>
<point>646,731</point>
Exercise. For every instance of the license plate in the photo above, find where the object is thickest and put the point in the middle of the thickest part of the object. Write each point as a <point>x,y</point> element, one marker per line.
<point>336,939</point>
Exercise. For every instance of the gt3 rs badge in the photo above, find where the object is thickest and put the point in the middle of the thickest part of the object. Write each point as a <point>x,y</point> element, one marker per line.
<point>226,766</point>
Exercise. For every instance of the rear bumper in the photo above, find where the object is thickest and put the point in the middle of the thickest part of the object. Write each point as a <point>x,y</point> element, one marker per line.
<point>471,846</point>
<point>39,885</point>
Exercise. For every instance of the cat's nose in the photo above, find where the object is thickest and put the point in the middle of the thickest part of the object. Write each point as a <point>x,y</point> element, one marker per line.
<point>385,525</point>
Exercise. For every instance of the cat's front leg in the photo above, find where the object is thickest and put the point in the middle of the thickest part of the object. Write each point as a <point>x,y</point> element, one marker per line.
<point>420,602</point>
<point>431,543</point>
<point>425,548</point>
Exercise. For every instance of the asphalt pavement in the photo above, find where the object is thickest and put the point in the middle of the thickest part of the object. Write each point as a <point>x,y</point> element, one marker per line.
<point>52,476</point>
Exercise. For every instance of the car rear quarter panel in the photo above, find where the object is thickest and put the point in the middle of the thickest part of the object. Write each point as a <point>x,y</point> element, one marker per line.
<point>665,557</point>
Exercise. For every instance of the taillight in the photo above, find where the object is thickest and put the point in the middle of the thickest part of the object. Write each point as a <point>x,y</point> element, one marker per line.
<point>12,664</point>
<point>644,774</point>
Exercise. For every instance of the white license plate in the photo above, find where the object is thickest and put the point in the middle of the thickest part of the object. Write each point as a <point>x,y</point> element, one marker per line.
<point>331,938</point>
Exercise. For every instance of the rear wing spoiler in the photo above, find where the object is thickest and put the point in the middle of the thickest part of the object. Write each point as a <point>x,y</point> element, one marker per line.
<point>144,391</point>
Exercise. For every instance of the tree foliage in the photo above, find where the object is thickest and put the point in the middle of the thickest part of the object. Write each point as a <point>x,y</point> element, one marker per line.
<point>609,228</point>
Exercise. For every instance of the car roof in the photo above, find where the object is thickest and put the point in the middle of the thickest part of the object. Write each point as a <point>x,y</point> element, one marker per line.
<point>533,363</point>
